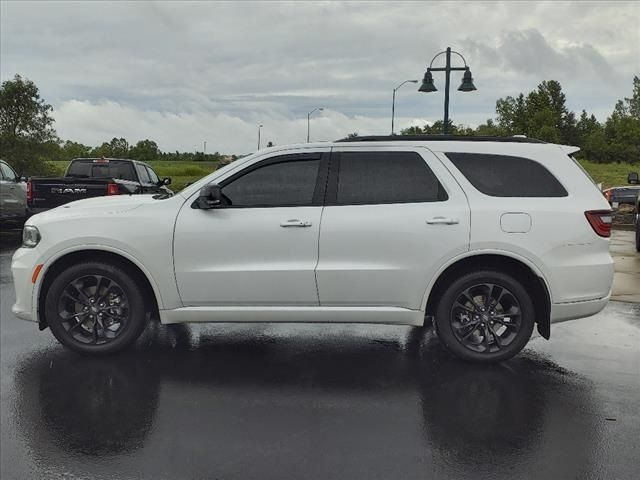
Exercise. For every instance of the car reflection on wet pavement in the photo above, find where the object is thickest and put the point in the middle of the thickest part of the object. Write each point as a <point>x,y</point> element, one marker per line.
<point>320,401</point>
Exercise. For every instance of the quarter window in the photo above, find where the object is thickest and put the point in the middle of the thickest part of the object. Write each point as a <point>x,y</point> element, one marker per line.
<point>507,176</point>
<point>386,177</point>
<point>286,183</point>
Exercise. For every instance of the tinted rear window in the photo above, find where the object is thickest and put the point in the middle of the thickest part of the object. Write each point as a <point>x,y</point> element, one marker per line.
<point>507,176</point>
<point>386,177</point>
<point>112,169</point>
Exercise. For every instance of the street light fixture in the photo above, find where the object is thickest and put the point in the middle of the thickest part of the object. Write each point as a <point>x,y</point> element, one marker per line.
<point>259,127</point>
<point>309,119</point>
<point>466,85</point>
<point>393,102</point>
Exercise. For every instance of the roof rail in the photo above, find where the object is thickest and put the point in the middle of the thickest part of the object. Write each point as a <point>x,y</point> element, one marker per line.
<point>432,138</point>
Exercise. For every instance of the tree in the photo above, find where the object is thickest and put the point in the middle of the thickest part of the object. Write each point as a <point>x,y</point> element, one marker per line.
<point>145,150</point>
<point>436,129</point>
<point>26,126</point>
<point>119,148</point>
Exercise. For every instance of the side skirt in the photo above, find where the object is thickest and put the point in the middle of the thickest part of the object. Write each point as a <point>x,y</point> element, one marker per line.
<point>381,315</point>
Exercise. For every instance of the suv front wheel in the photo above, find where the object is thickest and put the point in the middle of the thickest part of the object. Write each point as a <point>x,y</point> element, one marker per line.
<point>485,316</point>
<point>95,308</point>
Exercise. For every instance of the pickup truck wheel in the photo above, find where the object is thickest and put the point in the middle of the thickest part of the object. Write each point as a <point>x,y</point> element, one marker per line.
<point>95,308</point>
<point>485,317</point>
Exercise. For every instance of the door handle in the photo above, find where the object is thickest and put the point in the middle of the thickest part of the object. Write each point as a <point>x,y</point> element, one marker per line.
<point>295,223</point>
<point>442,221</point>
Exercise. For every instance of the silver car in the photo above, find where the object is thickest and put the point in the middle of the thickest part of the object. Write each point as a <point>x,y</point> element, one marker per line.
<point>13,194</point>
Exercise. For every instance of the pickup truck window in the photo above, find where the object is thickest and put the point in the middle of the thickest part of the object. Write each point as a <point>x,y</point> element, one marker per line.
<point>110,169</point>
<point>152,175</point>
<point>142,173</point>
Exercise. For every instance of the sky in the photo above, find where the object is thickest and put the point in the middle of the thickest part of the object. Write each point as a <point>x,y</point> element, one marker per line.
<point>182,73</point>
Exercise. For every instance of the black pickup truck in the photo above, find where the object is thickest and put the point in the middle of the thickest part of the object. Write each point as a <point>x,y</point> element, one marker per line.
<point>94,177</point>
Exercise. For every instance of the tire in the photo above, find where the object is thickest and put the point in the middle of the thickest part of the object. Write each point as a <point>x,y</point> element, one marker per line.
<point>95,308</point>
<point>494,334</point>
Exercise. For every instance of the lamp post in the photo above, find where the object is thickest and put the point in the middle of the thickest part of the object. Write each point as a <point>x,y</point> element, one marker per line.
<point>393,102</point>
<point>259,127</point>
<point>466,85</point>
<point>309,119</point>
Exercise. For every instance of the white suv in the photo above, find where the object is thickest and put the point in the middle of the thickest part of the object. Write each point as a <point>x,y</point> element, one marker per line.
<point>486,236</point>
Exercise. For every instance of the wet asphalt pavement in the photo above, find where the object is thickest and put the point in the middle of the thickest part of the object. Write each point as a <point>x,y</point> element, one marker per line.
<point>305,402</point>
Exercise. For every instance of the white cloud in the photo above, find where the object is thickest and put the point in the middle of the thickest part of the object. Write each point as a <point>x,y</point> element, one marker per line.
<point>93,123</point>
<point>181,73</point>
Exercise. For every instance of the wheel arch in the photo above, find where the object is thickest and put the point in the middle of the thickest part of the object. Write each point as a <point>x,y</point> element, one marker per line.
<point>533,281</point>
<point>149,288</point>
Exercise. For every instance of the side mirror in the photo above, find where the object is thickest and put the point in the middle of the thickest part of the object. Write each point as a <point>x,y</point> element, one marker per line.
<point>22,178</point>
<point>632,178</point>
<point>166,181</point>
<point>210,197</point>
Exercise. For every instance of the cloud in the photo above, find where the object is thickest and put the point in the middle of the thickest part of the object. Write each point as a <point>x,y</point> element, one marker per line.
<point>93,123</point>
<point>160,68</point>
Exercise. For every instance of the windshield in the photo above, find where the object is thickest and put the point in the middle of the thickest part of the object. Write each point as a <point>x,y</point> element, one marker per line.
<point>103,168</point>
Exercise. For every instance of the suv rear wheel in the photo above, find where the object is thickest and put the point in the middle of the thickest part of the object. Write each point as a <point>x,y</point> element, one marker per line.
<point>95,308</point>
<point>485,316</point>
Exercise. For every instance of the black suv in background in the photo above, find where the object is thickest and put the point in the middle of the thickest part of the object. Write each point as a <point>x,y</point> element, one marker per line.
<point>94,177</point>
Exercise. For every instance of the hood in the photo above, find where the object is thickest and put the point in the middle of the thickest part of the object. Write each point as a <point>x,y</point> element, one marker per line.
<point>109,205</point>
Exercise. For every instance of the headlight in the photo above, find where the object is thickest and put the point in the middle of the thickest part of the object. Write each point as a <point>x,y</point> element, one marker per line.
<point>30,236</point>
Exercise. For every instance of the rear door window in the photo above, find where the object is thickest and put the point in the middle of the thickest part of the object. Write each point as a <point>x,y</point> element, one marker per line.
<point>384,177</point>
<point>507,176</point>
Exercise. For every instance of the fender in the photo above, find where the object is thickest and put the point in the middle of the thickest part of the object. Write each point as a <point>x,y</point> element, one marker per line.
<point>78,248</point>
<point>485,251</point>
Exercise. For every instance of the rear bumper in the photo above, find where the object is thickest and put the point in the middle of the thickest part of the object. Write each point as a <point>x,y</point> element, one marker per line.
<point>561,312</point>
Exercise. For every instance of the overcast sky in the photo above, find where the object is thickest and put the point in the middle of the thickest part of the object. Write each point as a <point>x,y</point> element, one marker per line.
<point>182,73</point>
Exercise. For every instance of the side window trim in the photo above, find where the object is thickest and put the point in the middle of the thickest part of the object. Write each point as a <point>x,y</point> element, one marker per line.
<point>331,196</point>
<point>321,179</point>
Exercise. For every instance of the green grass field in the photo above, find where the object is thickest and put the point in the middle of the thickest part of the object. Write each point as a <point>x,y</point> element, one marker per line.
<point>181,173</point>
<point>610,174</point>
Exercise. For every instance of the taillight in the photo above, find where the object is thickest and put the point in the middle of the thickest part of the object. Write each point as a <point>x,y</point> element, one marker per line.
<point>29,191</point>
<point>112,189</point>
<point>600,221</point>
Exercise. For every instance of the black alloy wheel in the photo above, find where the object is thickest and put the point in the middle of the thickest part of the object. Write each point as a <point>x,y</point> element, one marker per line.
<point>95,308</point>
<point>485,316</point>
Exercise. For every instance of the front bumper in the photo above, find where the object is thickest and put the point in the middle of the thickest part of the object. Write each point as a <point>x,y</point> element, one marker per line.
<point>22,266</point>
